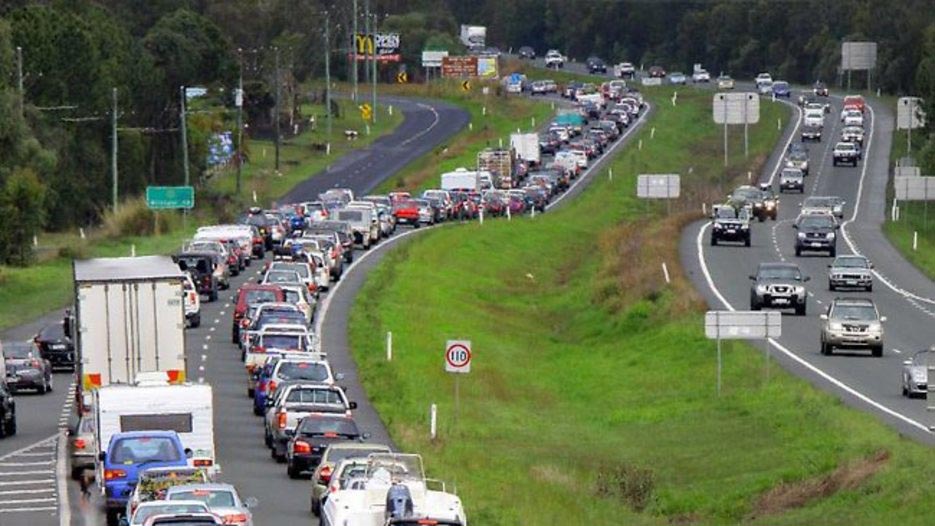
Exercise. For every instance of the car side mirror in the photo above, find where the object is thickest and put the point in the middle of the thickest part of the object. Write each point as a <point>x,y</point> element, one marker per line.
<point>102,456</point>
<point>352,405</point>
<point>823,317</point>
<point>871,266</point>
<point>807,278</point>
<point>882,319</point>
<point>251,502</point>
<point>752,277</point>
<point>829,266</point>
<point>270,402</point>
<point>837,227</point>
<point>188,453</point>
<point>365,435</point>
<point>795,226</point>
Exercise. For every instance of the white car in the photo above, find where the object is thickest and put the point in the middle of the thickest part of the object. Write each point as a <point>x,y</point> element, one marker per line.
<point>222,500</point>
<point>764,78</point>
<point>701,75</point>
<point>814,117</point>
<point>852,118</point>
<point>624,70</point>
<point>554,59</point>
<point>299,296</point>
<point>725,82</point>
<point>192,302</point>
<point>764,88</point>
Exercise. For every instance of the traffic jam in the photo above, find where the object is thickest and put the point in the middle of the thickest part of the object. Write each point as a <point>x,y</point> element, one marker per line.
<point>144,439</point>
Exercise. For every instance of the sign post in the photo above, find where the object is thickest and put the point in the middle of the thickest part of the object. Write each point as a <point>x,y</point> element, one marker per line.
<point>458,361</point>
<point>659,186</point>
<point>858,56</point>
<point>736,108</point>
<point>909,115</point>
<point>742,325</point>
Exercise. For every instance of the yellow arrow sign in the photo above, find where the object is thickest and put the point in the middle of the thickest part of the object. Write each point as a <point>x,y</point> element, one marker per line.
<point>365,111</point>
<point>402,77</point>
<point>466,85</point>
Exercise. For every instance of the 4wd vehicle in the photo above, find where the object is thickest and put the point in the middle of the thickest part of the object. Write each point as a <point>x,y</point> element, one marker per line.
<point>756,199</point>
<point>852,323</point>
<point>625,70</point>
<point>816,233</point>
<point>596,65</point>
<point>779,285</point>
<point>819,89</point>
<point>853,134</point>
<point>201,266</point>
<point>725,82</point>
<point>730,224</point>
<point>798,159</point>
<point>657,72</point>
<point>791,179</point>
<point>554,59</point>
<point>846,153</point>
<point>811,132</point>
<point>820,204</point>
<point>527,52</point>
<point>851,272</point>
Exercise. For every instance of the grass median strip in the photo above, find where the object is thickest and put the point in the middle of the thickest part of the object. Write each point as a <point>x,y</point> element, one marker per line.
<point>591,398</point>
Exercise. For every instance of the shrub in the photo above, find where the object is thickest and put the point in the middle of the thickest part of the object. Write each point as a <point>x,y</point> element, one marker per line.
<point>134,218</point>
<point>630,484</point>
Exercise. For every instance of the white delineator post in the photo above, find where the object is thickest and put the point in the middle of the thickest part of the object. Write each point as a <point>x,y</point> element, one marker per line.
<point>433,421</point>
<point>389,346</point>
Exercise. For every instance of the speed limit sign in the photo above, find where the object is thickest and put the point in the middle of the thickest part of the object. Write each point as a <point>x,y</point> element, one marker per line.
<point>458,356</point>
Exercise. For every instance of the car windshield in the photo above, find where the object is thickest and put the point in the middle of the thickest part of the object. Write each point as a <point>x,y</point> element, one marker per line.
<point>254,297</point>
<point>147,510</point>
<point>854,312</point>
<point>327,426</point>
<point>293,296</point>
<point>847,146</point>
<point>781,85</point>
<point>53,332</point>
<point>817,221</point>
<point>282,341</point>
<point>851,262</point>
<point>293,317</point>
<point>282,276</point>
<point>314,396</point>
<point>214,498</point>
<point>791,174</point>
<point>780,273</point>
<point>18,350</point>
<point>137,450</point>
<point>818,202</point>
<point>921,358</point>
<point>312,371</point>
<point>726,212</point>
<point>299,268</point>
<point>746,193</point>
<point>339,454</point>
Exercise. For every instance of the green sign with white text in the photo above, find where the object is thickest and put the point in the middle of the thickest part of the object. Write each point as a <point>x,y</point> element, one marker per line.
<point>170,197</point>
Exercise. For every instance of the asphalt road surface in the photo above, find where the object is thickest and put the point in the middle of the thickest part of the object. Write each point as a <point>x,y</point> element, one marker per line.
<point>900,291</point>
<point>32,469</point>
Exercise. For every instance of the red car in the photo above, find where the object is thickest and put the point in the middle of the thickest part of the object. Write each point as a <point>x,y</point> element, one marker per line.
<point>406,211</point>
<point>252,293</point>
<point>855,101</point>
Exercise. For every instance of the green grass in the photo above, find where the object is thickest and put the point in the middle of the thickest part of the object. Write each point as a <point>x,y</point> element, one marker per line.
<point>504,115</point>
<point>586,362</point>
<point>26,293</point>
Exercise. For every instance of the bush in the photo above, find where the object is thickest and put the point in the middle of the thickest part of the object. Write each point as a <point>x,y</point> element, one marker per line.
<point>134,218</point>
<point>632,485</point>
<point>74,250</point>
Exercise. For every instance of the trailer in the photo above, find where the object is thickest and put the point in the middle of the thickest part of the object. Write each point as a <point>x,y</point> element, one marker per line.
<point>499,163</point>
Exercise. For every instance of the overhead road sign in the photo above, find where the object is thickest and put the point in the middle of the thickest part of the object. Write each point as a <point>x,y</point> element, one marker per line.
<point>658,186</point>
<point>170,197</point>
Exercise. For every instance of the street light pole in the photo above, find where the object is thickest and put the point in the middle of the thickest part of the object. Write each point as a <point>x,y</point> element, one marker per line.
<point>184,130</point>
<point>354,45</point>
<point>19,80</point>
<point>238,100</point>
<point>373,75</point>
<point>278,107</point>
<point>371,34</point>
<point>328,76</point>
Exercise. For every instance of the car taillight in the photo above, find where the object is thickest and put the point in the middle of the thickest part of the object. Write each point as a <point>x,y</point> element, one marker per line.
<point>114,474</point>
<point>272,385</point>
<point>301,447</point>
<point>203,462</point>
<point>36,364</point>
<point>192,297</point>
<point>236,518</point>
<point>258,349</point>
<point>324,475</point>
<point>79,443</point>
<point>281,420</point>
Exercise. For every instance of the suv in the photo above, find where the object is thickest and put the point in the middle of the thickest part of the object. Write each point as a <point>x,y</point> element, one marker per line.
<point>850,271</point>
<point>852,323</point>
<point>201,266</point>
<point>527,52</point>
<point>554,59</point>
<point>761,204</point>
<point>779,285</point>
<point>853,134</point>
<point>816,233</point>
<point>192,302</point>
<point>730,224</point>
<point>791,179</point>
<point>596,65</point>
<point>846,153</point>
<point>811,132</point>
<point>798,159</point>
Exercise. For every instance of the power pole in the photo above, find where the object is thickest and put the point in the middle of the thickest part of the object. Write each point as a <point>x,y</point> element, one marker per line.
<point>354,45</point>
<point>371,34</point>
<point>328,75</point>
<point>19,80</point>
<point>373,76</point>
<point>113,146</point>
<point>238,101</point>
<point>278,107</point>
<point>184,129</point>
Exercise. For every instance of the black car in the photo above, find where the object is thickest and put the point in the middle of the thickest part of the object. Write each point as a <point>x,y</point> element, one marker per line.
<point>730,224</point>
<point>779,285</point>
<point>755,199</point>
<point>312,437</point>
<point>537,197</point>
<point>264,225</point>
<point>596,65</point>
<point>817,233</point>
<point>55,346</point>
<point>25,367</point>
<point>526,52</point>
<point>7,411</point>
<point>201,267</point>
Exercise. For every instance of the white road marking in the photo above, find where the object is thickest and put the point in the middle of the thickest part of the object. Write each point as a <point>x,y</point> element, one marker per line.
<point>31,509</point>
<point>208,337</point>
<point>31,472</point>
<point>26,482</point>
<point>34,490</point>
<point>24,464</point>
<point>897,351</point>
<point>35,445</point>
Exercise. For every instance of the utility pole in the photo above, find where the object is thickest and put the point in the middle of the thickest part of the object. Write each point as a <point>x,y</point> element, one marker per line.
<point>19,80</point>
<point>372,34</point>
<point>184,129</point>
<point>328,76</point>
<point>354,46</point>
<point>113,146</point>
<point>238,101</point>
<point>278,107</point>
<point>373,76</point>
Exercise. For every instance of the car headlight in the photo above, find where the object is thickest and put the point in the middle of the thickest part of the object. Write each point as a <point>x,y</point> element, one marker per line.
<point>875,327</point>
<point>834,326</point>
<point>761,289</point>
<point>799,290</point>
<point>717,226</point>
<point>744,227</point>
<point>830,235</point>
<point>801,235</point>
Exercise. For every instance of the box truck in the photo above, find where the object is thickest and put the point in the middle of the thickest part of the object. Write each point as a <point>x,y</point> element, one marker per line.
<point>464,179</point>
<point>128,319</point>
<point>526,146</point>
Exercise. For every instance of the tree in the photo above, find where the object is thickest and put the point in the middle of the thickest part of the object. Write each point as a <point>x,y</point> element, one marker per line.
<point>21,206</point>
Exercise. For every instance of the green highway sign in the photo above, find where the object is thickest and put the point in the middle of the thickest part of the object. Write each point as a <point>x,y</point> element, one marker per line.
<point>170,197</point>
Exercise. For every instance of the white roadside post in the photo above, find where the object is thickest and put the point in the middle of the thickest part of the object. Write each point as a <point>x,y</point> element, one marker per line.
<point>665,272</point>
<point>433,421</point>
<point>458,356</point>
<point>742,325</point>
<point>389,346</point>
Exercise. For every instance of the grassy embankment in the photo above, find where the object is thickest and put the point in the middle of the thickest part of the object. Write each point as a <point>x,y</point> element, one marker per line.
<point>29,292</point>
<point>913,217</point>
<point>592,395</point>
<point>504,115</point>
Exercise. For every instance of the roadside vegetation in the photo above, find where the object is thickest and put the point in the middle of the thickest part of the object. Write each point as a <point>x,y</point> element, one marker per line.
<point>913,216</point>
<point>591,398</point>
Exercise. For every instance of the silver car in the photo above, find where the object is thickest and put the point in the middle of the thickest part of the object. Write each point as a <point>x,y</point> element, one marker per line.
<point>222,500</point>
<point>915,373</point>
<point>831,204</point>
<point>852,272</point>
<point>852,323</point>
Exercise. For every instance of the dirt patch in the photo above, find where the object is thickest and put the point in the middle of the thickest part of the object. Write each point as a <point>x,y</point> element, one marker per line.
<point>798,494</point>
<point>552,475</point>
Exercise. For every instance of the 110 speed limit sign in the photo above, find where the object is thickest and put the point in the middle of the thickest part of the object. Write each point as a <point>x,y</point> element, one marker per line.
<point>458,356</point>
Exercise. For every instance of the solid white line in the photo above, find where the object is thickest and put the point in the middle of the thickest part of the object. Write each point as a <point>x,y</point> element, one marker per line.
<point>435,120</point>
<point>28,501</point>
<point>27,510</point>
<point>20,464</point>
<point>31,454</point>
<point>834,381</point>
<point>897,351</point>
<point>63,504</point>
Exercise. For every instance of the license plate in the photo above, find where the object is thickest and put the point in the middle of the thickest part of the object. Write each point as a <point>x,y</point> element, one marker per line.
<point>816,245</point>
<point>851,282</point>
<point>780,301</point>
<point>731,231</point>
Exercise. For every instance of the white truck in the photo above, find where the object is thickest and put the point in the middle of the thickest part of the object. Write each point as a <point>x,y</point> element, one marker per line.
<point>128,319</point>
<point>462,179</point>
<point>153,404</point>
<point>526,146</point>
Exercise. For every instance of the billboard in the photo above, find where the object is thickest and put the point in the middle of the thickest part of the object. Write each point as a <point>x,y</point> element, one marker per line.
<point>487,67</point>
<point>384,45</point>
<point>220,149</point>
<point>473,36</point>
<point>459,67</point>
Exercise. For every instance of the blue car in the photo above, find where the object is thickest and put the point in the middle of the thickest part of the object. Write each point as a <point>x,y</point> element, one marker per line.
<point>261,389</point>
<point>130,453</point>
<point>782,89</point>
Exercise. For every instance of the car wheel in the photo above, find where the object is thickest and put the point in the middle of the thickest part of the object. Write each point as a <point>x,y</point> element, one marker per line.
<point>798,251</point>
<point>906,391</point>
<point>213,296</point>
<point>830,285</point>
<point>250,392</point>
<point>268,440</point>
<point>713,241</point>
<point>801,309</point>
<point>258,411</point>
<point>196,321</point>
<point>315,507</point>
<point>878,352</point>
<point>826,349</point>
<point>869,288</point>
<point>833,252</point>
<point>76,473</point>
<point>50,384</point>
<point>746,242</point>
<point>113,517</point>
<point>293,472</point>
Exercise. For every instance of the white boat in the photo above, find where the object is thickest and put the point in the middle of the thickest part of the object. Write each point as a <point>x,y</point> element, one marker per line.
<point>394,491</point>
